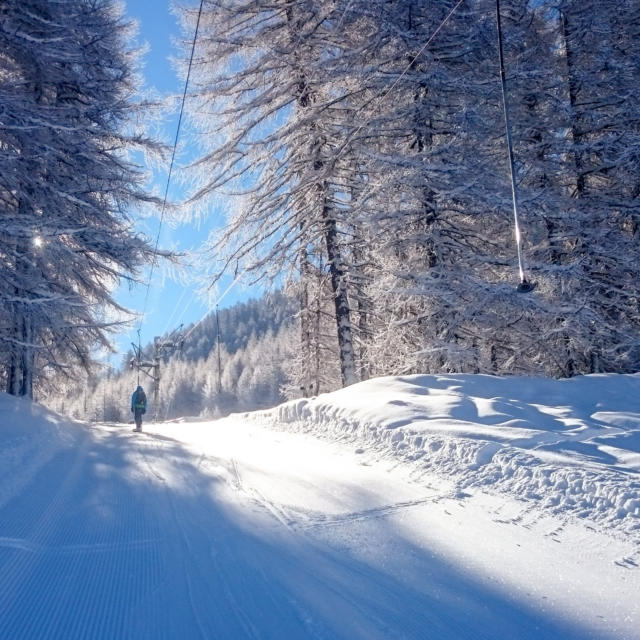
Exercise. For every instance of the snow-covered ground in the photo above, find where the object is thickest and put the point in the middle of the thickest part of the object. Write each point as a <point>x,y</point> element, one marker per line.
<point>416,507</point>
<point>570,446</point>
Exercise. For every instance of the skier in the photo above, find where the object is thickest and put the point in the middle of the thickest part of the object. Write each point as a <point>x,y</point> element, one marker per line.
<point>138,406</point>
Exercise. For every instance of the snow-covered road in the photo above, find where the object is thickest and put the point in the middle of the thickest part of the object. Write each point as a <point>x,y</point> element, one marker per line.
<point>229,530</point>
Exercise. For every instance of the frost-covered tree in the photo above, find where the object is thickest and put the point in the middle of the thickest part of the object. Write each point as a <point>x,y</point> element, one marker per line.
<point>574,107</point>
<point>368,141</point>
<point>596,243</point>
<point>437,188</point>
<point>263,76</point>
<point>67,124</point>
<point>428,239</point>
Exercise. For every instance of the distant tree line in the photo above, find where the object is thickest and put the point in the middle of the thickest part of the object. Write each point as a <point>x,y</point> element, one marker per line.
<point>255,369</point>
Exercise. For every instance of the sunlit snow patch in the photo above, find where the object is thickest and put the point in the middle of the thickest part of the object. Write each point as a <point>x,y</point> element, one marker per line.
<point>572,445</point>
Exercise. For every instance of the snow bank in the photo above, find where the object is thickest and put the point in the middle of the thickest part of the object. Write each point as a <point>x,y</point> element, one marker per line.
<point>30,435</point>
<point>572,446</point>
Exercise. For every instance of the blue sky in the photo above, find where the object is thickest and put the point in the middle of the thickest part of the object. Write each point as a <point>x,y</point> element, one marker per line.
<point>169,302</point>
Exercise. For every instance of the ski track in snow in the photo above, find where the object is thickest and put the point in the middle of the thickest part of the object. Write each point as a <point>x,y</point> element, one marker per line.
<point>230,530</point>
<point>79,547</point>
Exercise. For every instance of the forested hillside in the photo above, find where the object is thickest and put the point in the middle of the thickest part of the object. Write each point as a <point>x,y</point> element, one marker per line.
<point>257,354</point>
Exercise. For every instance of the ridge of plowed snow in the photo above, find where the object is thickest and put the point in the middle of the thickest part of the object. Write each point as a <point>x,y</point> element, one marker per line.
<point>572,446</point>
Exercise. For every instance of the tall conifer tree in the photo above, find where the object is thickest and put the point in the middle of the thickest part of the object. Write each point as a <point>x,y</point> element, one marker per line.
<point>67,86</point>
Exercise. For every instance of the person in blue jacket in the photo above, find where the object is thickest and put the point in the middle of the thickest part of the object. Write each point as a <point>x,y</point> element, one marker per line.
<point>138,406</point>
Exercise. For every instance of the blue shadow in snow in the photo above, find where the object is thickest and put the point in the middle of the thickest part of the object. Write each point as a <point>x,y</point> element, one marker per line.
<point>123,536</point>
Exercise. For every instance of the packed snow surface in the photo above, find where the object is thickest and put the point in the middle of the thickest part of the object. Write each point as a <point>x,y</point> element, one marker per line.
<point>416,507</point>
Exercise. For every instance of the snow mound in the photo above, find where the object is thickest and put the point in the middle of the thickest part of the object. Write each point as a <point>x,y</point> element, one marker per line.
<point>30,436</point>
<point>572,446</point>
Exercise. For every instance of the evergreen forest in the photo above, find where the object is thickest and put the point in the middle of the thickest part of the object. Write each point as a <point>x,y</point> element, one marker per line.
<point>407,207</point>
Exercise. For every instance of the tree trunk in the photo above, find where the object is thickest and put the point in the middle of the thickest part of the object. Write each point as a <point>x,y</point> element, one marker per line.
<point>317,346</point>
<point>20,374</point>
<point>27,357</point>
<point>363,308</point>
<point>573,100</point>
<point>341,300</point>
<point>13,375</point>
<point>305,323</point>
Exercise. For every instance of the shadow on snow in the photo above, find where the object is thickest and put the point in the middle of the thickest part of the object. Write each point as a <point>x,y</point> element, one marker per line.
<point>127,536</point>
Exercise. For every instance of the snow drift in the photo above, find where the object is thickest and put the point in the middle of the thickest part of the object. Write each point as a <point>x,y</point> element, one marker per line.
<point>31,435</point>
<point>572,446</point>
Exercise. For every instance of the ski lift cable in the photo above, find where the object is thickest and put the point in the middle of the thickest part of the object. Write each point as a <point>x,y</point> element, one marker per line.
<point>164,203</point>
<point>237,278</point>
<point>173,157</point>
<point>524,286</point>
<point>422,50</point>
<point>382,97</point>
<point>184,310</point>
<point>211,307</point>
<point>427,43</point>
<point>176,306</point>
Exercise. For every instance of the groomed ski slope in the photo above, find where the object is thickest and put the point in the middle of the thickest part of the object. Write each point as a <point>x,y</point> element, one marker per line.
<point>417,507</point>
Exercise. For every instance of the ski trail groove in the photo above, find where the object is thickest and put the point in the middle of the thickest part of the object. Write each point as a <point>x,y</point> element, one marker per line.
<point>21,566</point>
<point>368,514</point>
<point>186,551</point>
<point>92,531</point>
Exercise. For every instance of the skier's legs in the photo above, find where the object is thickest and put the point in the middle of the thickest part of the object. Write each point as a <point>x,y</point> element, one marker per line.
<point>138,418</point>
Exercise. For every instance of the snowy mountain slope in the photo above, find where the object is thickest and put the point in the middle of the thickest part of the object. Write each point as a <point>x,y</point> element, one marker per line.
<point>572,446</point>
<point>232,529</point>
